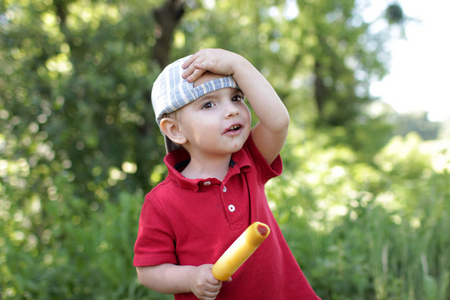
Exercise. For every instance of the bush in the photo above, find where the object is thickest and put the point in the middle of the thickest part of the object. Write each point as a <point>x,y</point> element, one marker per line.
<point>85,252</point>
<point>364,230</point>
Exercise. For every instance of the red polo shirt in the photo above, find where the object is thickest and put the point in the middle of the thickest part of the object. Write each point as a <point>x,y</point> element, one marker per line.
<point>193,221</point>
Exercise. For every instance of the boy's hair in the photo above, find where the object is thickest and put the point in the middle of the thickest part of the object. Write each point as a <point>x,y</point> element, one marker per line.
<point>171,92</point>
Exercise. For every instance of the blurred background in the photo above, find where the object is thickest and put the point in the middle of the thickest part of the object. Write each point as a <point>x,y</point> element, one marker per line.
<point>364,197</point>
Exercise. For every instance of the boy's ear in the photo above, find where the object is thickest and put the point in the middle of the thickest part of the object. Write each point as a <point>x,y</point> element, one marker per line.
<point>170,128</point>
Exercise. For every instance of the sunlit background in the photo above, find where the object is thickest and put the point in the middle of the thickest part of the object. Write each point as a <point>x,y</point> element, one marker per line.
<point>418,77</point>
<point>363,201</point>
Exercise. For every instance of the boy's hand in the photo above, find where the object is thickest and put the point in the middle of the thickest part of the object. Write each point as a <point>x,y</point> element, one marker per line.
<point>204,285</point>
<point>270,133</point>
<point>214,60</point>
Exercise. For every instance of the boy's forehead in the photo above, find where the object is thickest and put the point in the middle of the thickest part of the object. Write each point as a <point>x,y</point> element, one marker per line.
<point>207,76</point>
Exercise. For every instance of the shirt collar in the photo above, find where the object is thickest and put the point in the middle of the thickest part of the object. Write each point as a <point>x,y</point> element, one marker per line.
<point>178,159</point>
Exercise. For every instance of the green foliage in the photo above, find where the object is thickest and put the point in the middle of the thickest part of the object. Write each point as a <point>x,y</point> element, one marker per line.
<point>78,76</point>
<point>366,217</point>
<point>419,123</point>
<point>367,230</point>
<point>85,252</point>
<point>394,14</point>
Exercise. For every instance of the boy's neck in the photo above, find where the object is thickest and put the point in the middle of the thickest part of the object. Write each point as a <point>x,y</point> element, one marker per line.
<point>207,167</point>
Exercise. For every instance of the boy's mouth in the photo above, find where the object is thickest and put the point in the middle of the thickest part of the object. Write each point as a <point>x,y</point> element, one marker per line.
<point>233,128</point>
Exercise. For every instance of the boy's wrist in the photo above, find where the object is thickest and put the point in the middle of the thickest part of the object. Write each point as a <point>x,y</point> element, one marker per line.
<point>192,279</point>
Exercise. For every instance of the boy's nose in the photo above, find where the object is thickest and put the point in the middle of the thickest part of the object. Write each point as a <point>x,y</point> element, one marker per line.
<point>231,111</point>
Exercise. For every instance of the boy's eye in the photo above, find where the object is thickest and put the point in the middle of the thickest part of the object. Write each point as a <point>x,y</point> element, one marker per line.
<point>208,105</point>
<point>237,98</point>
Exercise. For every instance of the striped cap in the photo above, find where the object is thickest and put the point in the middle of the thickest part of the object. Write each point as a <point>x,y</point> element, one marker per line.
<point>171,92</point>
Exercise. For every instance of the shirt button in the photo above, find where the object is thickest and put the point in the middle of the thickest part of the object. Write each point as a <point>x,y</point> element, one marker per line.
<point>224,189</point>
<point>231,208</point>
<point>207,183</point>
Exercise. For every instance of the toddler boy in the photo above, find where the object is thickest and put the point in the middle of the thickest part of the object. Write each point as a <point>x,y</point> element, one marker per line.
<point>217,168</point>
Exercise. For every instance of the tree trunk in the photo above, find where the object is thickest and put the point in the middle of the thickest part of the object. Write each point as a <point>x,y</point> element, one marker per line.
<point>167,17</point>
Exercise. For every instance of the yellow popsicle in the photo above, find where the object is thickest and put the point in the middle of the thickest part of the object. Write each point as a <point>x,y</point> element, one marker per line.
<point>240,250</point>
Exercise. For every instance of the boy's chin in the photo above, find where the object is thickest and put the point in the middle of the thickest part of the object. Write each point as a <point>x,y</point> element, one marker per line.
<point>237,147</point>
<point>239,144</point>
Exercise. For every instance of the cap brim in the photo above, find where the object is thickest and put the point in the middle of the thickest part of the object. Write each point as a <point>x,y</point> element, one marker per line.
<point>170,146</point>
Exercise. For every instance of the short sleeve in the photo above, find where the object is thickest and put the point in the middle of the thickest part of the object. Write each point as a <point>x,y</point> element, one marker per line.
<point>265,170</point>
<point>155,243</point>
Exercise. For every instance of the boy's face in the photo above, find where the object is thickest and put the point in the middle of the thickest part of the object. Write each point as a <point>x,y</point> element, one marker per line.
<point>217,123</point>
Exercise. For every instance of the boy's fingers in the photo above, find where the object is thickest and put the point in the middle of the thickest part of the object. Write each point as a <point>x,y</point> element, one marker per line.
<point>209,292</point>
<point>188,71</point>
<point>212,294</point>
<point>192,61</point>
<point>188,62</point>
<point>195,75</point>
<point>193,70</point>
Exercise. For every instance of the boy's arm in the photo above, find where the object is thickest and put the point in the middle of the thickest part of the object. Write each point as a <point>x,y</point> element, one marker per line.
<point>175,279</point>
<point>270,133</point>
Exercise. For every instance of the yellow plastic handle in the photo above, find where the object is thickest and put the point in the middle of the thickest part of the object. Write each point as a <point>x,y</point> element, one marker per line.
<point>240,250</point>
